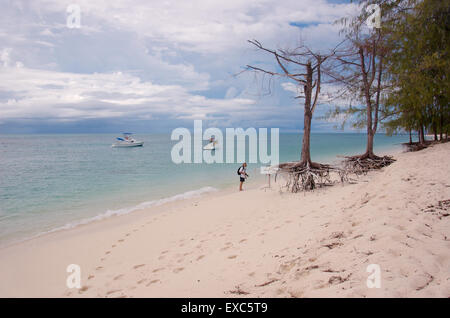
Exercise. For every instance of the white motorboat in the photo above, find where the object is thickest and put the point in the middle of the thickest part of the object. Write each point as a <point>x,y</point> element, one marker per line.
<point>127,141</point>
<point>212,145</point>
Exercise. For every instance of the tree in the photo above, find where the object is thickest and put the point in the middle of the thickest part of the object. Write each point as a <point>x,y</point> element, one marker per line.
<point>418,68</point>
<point>359,69</point>
<point>303,67</point>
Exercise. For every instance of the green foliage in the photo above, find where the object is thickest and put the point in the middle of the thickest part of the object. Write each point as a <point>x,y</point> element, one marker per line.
<point>419,65</point>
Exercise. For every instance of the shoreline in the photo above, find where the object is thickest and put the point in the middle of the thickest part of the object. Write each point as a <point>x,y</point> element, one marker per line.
<point>220,243</point>
<point>393,149</point>
<point>198,194</point>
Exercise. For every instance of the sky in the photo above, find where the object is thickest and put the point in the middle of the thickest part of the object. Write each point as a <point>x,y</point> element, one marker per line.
<point>152,66</point>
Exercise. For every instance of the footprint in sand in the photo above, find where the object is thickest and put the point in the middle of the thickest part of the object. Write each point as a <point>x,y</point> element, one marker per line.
<point>83,289</point>
<point>99,268</point>
<point>137,266</point>
<point>232,256</point>
<point>91,276</point>
<point>107,252</point>
<point>243,240</point>
<point>200,257</point>
<point>157,270</point>
<point>177,270</point>
<point>142,281</point>
<point>114,245</point>
<point>152,282</point>
<point>118,277</point>
<point>121,240</point>
<point>113,291</point>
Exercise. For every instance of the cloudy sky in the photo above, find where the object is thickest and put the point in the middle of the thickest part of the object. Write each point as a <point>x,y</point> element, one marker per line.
<point>153,65</point>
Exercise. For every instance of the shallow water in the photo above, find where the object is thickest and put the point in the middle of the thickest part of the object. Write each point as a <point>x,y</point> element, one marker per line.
<point>54,181</point>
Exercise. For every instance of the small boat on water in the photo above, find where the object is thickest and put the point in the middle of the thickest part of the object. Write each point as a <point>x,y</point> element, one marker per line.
<point>127,141</point>
<point>212,145</point>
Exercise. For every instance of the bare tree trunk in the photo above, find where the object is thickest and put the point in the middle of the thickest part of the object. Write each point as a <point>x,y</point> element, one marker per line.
<point>369,150</point>
<point>306,153</point>
<point>435,130</point>
<point>366,87</point>
<point>421,135</point>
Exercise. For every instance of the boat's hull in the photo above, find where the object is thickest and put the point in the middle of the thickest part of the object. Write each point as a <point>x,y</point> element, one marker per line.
<point>210,146</point>
<point>128,144</point>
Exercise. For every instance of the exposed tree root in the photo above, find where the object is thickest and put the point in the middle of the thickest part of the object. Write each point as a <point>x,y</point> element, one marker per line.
<point>414,146</point>
<point>304,175</point>
<point>365,163</point>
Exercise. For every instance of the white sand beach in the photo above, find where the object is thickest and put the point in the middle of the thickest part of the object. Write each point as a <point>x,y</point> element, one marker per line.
<point>259,243</point>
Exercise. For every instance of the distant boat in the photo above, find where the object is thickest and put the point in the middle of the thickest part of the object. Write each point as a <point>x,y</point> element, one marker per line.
<point>127,141</point>
<point>212,145</point>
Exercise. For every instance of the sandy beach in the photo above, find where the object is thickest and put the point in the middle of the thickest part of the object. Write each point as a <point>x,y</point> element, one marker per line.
<point>259,243</point>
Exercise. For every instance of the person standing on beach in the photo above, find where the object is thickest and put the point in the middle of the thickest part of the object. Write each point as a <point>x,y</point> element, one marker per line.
<point>242,172</point>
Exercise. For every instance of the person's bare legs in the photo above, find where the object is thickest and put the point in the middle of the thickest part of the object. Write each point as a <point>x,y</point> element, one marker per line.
<point>240,185</point>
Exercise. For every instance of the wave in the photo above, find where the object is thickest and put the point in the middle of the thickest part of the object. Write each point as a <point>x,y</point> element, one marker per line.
<point>141,206</point>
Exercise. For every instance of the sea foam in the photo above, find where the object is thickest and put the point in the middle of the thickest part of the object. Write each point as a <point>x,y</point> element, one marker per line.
<point>140,206</point>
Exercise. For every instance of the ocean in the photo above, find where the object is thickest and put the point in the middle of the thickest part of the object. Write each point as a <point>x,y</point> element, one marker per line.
<point>55,182</point>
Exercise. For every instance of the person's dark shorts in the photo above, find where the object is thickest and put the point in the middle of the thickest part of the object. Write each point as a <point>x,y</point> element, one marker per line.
<point>242,179</point>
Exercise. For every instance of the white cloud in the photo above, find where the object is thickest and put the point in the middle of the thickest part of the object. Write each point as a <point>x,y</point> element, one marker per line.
<point>291,87</point>
<point>50,94</point>
<point>172,54</point>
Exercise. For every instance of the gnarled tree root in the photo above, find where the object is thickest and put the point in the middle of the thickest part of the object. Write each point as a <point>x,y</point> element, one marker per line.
<point>365,163</point>
<point>304,176</point>
<point>415,146</point>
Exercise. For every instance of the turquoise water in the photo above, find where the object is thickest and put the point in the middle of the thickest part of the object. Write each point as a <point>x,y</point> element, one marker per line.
<point>53,181</point>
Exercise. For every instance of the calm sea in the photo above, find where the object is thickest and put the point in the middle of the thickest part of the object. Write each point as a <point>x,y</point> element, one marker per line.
<point>50,182</point>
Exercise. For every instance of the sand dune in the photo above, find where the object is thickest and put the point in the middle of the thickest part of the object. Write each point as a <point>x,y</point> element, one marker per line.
<point>260,243</point>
